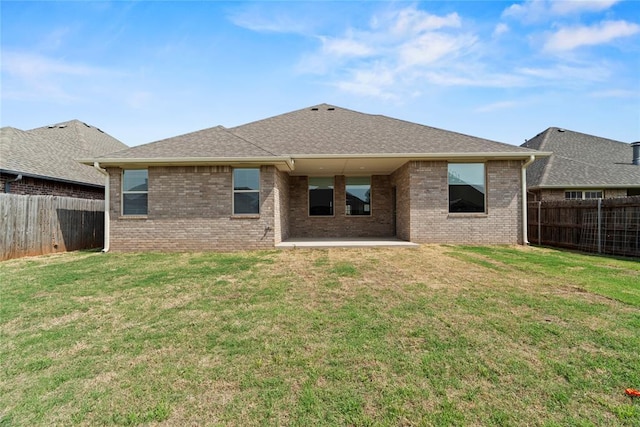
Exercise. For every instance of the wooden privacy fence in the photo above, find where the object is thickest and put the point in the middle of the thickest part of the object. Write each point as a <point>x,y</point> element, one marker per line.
<point>36,225</point>
<point>607,226</point>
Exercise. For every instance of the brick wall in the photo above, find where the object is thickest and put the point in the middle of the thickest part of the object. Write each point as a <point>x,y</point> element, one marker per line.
<point>401,180</point>
<point>190,209</point>
<point>378,224</point>
<point>431,221</point>
<point>45,187</point>
<point>281,207</point>
<point>612,193</point>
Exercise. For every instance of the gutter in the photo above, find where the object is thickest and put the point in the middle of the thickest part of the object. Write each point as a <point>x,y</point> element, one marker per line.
<point>425,156</point>
<point>525,236</point>
<point>107,222</point>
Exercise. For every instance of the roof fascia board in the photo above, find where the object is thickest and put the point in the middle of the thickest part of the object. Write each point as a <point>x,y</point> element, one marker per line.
<point>290,160</point>
<point>181,161</point>
<point>427,156</point>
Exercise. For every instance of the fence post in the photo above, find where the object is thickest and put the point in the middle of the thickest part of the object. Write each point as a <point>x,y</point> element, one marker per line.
<point>539,224</point>
<point>599,225</point>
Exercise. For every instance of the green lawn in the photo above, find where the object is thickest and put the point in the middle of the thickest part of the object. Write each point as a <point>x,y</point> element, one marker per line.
<point>441,335</point>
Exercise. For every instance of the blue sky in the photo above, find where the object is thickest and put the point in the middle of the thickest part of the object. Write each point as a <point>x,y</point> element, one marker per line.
<point>144,71</point>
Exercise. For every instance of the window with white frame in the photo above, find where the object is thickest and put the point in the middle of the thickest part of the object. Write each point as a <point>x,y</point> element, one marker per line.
<point>135,190</point>
<point>358,195</point>
<point>246,191</point>
<point>466,188</point>
<point>583,195</point>
<point>321,196</point>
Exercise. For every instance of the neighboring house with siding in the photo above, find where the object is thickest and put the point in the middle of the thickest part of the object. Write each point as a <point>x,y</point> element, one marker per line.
<point>43,161</point>
<point>318,172</point>
<point>581,166</point>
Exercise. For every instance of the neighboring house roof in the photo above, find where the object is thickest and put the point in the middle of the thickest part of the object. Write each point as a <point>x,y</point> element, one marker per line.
<point>581,161</point>
<point>51,152</point>
<point>314,138</point>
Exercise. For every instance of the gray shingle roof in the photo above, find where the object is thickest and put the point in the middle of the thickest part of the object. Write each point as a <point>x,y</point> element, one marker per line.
<point>52,151</point>
<point>320,130</point>
<point>215,142</point>
<point>580,161</point>
<point>327,129</point>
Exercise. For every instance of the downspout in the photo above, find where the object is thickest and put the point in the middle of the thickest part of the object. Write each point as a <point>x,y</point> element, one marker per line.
<point>525,225</point>
<point>107,222</point>
<point>7,185</point>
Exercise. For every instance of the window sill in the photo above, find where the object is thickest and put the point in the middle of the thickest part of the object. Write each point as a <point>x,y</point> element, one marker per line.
<point>133,217</point>
<point>467,215</point>
<point>248,216</point>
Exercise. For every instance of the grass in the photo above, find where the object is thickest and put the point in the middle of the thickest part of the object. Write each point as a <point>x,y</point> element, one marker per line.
<point>441,335</point>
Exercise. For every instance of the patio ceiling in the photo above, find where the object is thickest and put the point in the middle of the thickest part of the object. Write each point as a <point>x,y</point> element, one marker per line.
<point>350,166</point>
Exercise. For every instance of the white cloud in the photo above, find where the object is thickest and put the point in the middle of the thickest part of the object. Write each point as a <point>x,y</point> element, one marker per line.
<point>567,7</point>
<point>501,29</point>
<point>539,10</point>
<point>272,20</point>
<point>432,47</point>
<point>530,10</point>
<point>573,37</point>
<point>345,47</point>
<point>394,50</point>
<point>411,21</point>
<point>34,76</point>
<point>29,66</point>
<point>569,74</point>
<point>474,78</point>
<point>374,82</point>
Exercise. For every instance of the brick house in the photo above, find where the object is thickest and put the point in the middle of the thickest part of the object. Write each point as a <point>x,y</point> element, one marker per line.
<point>582,166</point>
<point>42,161</point>
<point>319,172</point>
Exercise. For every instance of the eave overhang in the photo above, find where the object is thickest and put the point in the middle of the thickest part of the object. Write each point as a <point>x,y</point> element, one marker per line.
<point>317,164</point>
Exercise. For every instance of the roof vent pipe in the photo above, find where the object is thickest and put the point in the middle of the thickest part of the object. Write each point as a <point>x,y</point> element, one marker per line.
<point>636,153</point>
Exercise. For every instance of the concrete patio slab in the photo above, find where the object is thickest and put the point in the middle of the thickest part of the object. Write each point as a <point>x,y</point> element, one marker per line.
<point>345,242</point>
